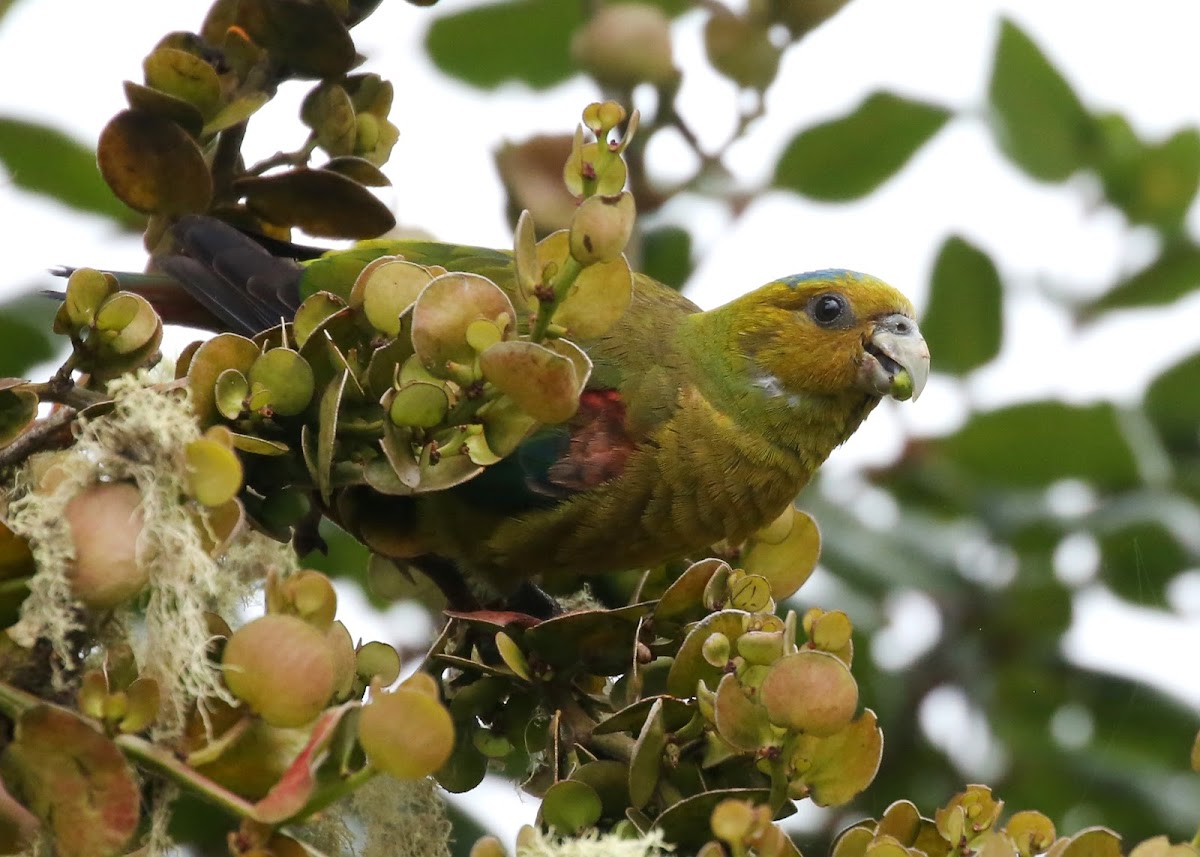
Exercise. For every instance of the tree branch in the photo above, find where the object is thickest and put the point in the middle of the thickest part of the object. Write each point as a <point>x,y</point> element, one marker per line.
<point>41,435</point>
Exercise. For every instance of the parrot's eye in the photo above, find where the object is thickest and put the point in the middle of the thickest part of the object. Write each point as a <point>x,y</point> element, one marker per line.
<point>828,309</point>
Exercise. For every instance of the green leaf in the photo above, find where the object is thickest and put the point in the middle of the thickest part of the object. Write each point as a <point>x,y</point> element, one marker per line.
<point>47,161</point>
<point>1172,405</point>
<point>318,201</point>
<point>963,322</point>
<point>1152,184</point>
<point>18,409</point>
<point>525,40</point>
<point>667,255</point>
<point>1038,120</point>
<point>571,807</point>
<point>1172,275</point>
<point>1140,560</point>
<point>153,165</point>
<point>1034,444</point>
<point>849,157</point>
<point>25,338</point>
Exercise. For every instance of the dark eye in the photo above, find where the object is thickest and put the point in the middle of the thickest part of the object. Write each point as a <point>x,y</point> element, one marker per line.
<point>827,309</point>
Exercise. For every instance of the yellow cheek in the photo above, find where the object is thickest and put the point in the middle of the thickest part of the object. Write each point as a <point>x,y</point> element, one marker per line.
<point>816,364</point>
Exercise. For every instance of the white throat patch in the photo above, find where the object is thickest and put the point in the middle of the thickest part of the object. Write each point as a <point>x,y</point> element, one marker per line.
<point>773,387</point>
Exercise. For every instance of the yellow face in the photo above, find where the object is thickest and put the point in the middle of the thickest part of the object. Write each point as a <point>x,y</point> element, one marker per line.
<point>832,332</point>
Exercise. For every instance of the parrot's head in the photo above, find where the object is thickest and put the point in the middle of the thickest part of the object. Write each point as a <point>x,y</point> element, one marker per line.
<point>829,333</point>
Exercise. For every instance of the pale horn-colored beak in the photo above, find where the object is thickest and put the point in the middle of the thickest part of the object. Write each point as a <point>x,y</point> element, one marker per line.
<point>895,359</point>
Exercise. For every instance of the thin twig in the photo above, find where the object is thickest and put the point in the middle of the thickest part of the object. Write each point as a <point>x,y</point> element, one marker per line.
<point>226,161</point>
<point>64,391</point>
<point>298,158</point>
<point>166,763</point>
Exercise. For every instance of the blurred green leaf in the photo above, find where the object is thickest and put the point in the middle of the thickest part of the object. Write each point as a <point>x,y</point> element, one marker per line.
<point>343,555</point>
<point>1172,275</point>
<point>45,160</point>
<point>963,324</point>
<point>667,255</point>
<point>525,40</point>
<point>1037,118</point>
<point>1136,746</point>
<point>1032,445</point>
<point>465,831</point>
<point>1152,184</point>
<point>1139,561</point>
<point>25,338</point>
<point>195,825</point>
<point>849,157</point>
<point>1173,405</point>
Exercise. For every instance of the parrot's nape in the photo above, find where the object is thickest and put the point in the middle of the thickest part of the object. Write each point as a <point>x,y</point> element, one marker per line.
<point>695,426</point>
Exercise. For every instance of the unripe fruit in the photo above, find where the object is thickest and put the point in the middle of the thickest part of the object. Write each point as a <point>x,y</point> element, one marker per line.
<point>811,692</point>
<point>602,227</point>
<point>626,44</point>
<point>716,650</point>
<point>741,50</point>
<point>341,646</point>
<point>488,846</point>
<point>106,521</point>
<point>406,734</point>
<point>732,820</point>
<point>801,16</point>
<point>282,667</point>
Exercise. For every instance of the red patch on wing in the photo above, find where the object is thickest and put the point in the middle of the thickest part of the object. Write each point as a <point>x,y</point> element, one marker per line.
<point>599,444</point>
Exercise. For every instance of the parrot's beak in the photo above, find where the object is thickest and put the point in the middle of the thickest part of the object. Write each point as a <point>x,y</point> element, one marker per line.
<point>895,359</point>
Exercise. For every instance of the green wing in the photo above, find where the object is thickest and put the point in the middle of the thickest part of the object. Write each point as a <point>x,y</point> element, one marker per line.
<point>638,372</point>
<point>337,270</point>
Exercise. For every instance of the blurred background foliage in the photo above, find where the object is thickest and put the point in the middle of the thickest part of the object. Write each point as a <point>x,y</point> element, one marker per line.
<point>962,562</point>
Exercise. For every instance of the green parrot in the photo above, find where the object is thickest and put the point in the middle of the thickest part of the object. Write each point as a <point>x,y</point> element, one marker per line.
<point>695,426</point>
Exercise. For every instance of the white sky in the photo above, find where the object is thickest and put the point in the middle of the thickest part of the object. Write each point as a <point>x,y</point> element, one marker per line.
<point>62,62</point>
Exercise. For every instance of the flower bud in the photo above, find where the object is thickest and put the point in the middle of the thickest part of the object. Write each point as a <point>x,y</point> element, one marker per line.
<point>602,117</point>
<point>716,650</point>
<point>761,647</point>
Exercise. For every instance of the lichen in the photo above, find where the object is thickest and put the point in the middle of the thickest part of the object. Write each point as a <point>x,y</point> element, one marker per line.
<point>384,818</point>
<point>592,844</point>
<point>142,440</point>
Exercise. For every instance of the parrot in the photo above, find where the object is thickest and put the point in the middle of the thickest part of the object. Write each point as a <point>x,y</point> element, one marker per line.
<point>695,427</point>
